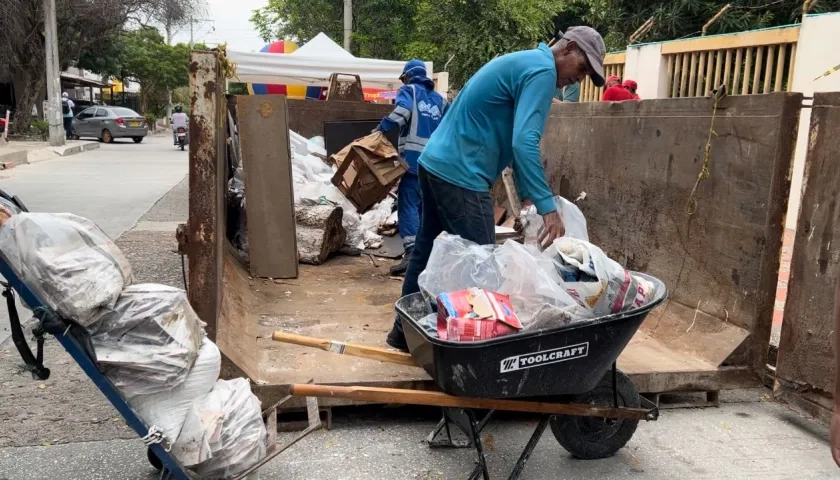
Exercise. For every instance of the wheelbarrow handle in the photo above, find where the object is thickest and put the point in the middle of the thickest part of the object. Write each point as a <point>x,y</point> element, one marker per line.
<point>341,348</point>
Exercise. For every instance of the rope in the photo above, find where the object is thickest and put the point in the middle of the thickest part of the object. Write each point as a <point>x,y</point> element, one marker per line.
<point>228,67</point>
<point>154,436</point>
<point>691,204</point>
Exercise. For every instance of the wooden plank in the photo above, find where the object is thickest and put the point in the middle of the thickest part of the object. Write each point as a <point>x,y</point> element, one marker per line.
<point>206,227</point>
<point>692,76</point>
<point>759,59</point>
<point>745,88</point>
<point>617,58</point>
<point>727,71</point>
<point>768,72</point>
<point>806,347</point>
<point>739,55</point>
<point>670,75</point>
<point>675,82</point>
<point>737,40</point>
<point>701,75</point>
<point>266,158</point>
<point>684,75</point>
<point>342,348</point>
<point>438,399</point>
<point>780,68</point>
<point>791,66</point>
<point>709,72</point>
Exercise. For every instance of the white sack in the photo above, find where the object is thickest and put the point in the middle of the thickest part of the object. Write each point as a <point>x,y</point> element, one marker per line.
<point>573,220</point>
<point>149,340</point>
<point>169,409</point>
<point>67,260</point>
<point>239,441</point>
<point>521,272</point>
<point>597,282</point>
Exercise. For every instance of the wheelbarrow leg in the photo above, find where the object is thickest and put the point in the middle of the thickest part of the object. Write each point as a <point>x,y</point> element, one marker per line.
<point>475,432</point>
<point>459,418</point>
<point>529,448</point>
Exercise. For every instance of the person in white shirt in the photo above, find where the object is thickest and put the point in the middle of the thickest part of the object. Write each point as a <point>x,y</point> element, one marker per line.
<point>179,119</point>
<point>67,107</point>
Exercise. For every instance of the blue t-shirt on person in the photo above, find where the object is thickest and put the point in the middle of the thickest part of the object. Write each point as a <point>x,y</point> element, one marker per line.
<point>497,120</point>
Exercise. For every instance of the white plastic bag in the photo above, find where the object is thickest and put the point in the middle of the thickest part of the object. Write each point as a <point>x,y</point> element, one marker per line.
<point>521,272</point>
<point>168,409</point>
<point>67,260</point>
<point>149,340</point>
<point>573,220</point>
<point>239,441</point>
<point>597,282</point>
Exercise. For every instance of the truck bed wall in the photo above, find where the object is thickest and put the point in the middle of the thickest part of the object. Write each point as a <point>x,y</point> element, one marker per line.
<point>638,163</point>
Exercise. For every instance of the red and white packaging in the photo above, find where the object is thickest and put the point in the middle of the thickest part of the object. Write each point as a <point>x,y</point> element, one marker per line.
<point>475,314</point>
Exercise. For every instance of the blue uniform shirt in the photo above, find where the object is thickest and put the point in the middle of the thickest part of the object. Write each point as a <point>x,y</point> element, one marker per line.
<point>498,119</point>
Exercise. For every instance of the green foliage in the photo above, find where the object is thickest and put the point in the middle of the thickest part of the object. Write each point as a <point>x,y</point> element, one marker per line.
<point>472,32</point>
<point>39,128</point>
<point>142,56</point>
<point>235,88</point>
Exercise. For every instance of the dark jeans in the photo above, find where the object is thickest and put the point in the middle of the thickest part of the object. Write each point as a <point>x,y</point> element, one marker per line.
<point>68,126</point>
<point>446,208</point>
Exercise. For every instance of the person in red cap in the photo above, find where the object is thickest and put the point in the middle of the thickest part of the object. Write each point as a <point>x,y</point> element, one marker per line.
<point>631,87</point>
<point>615,92</point>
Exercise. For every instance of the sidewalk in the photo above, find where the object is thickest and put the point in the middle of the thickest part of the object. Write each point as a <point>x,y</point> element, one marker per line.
<point>15,153</point>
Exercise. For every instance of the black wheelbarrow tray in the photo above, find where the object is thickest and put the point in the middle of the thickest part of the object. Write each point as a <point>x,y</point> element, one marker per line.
<point>567,374</point>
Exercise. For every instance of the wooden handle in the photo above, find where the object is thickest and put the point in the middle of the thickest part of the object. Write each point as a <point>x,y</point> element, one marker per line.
<point>341,348</point>
<point>422,397</point>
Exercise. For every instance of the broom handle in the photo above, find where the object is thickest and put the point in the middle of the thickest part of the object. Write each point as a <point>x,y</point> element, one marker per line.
<point>341,348</point>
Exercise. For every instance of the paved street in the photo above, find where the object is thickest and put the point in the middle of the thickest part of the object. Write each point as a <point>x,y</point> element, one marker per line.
<point>113,185</point>
<point>64,429</point>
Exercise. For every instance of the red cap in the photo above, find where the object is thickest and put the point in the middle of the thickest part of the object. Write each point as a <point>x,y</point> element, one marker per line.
<point>630,84</point>
<point>613,78</point>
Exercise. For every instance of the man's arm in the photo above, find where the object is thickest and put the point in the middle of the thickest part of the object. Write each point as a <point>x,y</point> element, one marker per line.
<point>530,115</point>
<point>402,111</point>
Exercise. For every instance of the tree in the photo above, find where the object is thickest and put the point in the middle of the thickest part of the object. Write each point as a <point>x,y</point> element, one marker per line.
<point>80,24</point>
<point>173,15</point>
<point>144,57</point>
<point>379,26</point>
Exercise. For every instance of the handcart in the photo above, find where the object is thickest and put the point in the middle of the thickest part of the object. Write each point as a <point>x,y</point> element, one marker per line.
<point>567,374</point>
<point>76,341</point>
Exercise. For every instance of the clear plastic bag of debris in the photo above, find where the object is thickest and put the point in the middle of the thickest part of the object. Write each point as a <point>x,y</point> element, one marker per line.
<point>573,221</point>
<point>67,260</point>
<point>169,409</point>
<point>238,441</point>
<point>597,282</point>
<point>149,340</point>
<point>521,272</point>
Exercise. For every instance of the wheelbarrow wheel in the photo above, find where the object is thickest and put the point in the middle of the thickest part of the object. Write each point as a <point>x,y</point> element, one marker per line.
<point>591,438</point>
<point>154,460</point>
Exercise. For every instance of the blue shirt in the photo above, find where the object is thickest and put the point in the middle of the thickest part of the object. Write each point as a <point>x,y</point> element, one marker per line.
<point>569,93</point>
<point>498,119</point>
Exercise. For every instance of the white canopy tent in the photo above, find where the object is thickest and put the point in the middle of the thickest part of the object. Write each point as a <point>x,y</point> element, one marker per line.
<point>313,65</point>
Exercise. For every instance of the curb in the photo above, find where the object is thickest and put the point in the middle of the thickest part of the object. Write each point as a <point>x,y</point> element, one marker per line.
<point>12,159</point>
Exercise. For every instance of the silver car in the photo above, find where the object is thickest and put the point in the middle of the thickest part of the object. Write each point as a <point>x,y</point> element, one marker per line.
<point>108,123</point>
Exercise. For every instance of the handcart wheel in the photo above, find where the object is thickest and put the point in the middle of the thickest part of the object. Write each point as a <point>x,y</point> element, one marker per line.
<point>154,460</point>
<point>591,438</point>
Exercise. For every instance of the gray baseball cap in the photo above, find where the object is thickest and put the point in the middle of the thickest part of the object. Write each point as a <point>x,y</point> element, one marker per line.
<point>591,43</point>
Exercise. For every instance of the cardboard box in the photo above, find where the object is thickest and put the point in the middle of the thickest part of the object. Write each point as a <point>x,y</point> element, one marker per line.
<point>475,314</point>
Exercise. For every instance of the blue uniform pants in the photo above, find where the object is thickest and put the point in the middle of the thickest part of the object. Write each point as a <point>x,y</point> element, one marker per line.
<point>409,209</point>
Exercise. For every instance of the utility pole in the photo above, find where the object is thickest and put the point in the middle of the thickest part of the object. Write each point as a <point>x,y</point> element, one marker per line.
<point>348,23</point>
<point>53,76</point>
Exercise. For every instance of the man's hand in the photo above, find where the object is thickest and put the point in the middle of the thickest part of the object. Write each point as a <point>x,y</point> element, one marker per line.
<point>553,228</point>
<point>835,435</point>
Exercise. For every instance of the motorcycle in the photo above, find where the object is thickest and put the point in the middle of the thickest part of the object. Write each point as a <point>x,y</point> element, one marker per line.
<point>181,134</point>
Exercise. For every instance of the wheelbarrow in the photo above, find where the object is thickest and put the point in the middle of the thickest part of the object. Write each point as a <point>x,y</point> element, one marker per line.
<point>567,374</point>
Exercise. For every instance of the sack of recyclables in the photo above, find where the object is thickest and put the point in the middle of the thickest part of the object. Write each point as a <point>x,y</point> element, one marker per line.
<point>571,281</point>
<point>475,314</point>
<point>69,262</point>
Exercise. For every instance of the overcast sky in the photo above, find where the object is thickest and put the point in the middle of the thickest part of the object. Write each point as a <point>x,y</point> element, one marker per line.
<point>227,23</point>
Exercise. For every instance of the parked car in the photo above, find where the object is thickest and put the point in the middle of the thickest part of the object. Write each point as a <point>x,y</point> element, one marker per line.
<point>108,123</point>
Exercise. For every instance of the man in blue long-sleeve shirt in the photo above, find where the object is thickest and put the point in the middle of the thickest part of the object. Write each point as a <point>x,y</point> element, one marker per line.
<point>417,113</point>
<point>497,120</point>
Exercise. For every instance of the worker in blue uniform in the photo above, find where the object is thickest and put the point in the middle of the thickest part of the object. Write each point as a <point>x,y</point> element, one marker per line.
<point>497,120</point>
<point>418,112</point>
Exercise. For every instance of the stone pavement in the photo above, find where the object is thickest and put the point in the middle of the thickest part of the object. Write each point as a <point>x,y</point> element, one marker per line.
<point>24,152</point>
